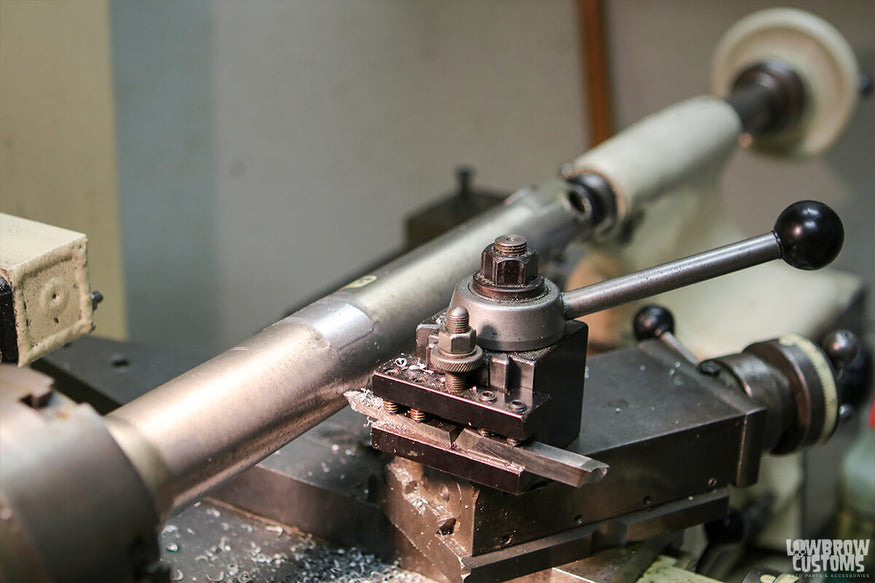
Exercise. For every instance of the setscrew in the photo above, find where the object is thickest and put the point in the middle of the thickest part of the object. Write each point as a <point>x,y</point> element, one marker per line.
<point>513,442</point>
<point>709,368</point>
<point>483,432</point>
<point>486,396</point>
<point>390,406</point>
<point>418,415</point>
<point>517,406</point>
<point>96,298</point>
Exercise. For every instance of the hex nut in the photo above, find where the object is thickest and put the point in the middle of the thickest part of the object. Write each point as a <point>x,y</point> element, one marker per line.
<point>457,343</point>
<point>501,270</point>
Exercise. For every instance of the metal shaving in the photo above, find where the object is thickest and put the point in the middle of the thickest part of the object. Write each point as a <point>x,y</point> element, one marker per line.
<point>213,543</point>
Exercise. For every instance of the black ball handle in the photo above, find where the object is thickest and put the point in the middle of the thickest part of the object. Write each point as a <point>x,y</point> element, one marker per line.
<point>810,234</point>
<point>652,321</point>
<point>807,235</point>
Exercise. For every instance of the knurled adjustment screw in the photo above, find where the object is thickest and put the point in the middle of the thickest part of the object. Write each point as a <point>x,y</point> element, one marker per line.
<point>456,352</point>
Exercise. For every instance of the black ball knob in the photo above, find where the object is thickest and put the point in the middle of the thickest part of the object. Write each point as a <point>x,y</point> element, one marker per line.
<point>652,322</point>
<point>841,346</point>
<point>810,234</point>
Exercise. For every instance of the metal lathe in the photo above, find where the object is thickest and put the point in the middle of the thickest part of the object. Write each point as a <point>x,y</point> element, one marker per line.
<point>496,430</point>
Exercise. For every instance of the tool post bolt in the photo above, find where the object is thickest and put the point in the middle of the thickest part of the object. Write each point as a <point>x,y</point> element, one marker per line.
<point>511,245</point>
<point>508,270</point>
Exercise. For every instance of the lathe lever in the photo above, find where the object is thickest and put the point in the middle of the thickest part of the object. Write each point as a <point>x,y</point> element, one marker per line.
<point>807,235</point>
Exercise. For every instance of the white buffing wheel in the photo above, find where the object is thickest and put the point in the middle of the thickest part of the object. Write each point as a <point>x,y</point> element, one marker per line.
<point>816,52</point>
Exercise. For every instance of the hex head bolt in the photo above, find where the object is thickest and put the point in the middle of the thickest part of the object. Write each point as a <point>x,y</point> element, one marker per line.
<point>508,270</point>
<point>456,353</point>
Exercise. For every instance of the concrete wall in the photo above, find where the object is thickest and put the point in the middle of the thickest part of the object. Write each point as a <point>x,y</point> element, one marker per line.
<point>267,148</point>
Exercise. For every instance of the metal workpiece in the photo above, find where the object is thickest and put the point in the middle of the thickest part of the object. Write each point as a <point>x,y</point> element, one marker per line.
<point>291,376</point>
<point>72,507</point>
<point>807,235</point>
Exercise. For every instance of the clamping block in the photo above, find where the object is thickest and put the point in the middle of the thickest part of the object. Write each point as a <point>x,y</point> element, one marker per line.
<point>45,296</point>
